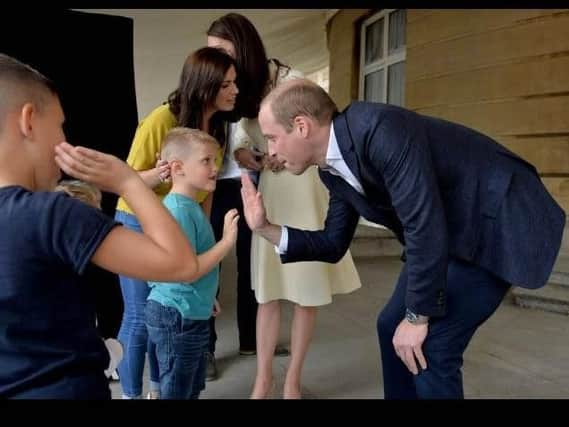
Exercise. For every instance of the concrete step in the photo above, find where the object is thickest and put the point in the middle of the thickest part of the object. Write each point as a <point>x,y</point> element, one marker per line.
<point>553,297</point>
<point>560,274</point>
<point>373,241</point>
<point>549,298</point>
<point>559,279</point>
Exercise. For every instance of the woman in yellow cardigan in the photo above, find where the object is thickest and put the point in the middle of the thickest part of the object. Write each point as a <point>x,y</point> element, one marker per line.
<point>205,95</point>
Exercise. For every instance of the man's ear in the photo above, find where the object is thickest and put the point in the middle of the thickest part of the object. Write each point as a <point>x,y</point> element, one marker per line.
<point>302,123</point>
<point>27,116</point>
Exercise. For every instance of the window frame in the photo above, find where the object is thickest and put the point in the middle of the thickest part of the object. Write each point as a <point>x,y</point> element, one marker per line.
<point>382,63</point>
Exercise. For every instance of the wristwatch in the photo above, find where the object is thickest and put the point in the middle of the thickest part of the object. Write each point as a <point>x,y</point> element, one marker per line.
<point>416,319</point>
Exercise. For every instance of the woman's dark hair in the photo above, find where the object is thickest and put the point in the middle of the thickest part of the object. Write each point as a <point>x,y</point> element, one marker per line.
<point>201,79</point>
<point>251,59</point>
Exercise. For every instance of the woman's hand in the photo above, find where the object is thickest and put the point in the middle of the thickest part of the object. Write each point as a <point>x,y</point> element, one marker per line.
<point>273,164</point>
<point>247,159</point>
<point>163,169</point>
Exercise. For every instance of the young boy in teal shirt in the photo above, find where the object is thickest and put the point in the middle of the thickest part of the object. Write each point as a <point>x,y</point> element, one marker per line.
<point>177,313</point>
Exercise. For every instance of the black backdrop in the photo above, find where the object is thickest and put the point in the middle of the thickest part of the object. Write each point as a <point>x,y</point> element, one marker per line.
<point>90,59</point>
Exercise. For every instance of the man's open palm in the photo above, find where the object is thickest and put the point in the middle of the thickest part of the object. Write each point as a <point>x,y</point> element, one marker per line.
<point>253,206</point>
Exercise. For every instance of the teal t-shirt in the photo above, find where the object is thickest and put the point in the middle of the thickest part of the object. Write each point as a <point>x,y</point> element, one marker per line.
<point>193,300</point>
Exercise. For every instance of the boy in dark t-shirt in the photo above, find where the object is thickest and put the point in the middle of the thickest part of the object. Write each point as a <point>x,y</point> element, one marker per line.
<point>49,346</point>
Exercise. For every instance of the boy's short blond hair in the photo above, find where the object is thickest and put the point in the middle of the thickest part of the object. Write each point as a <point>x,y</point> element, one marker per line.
<point>179,141</point>
<point>81,190</point>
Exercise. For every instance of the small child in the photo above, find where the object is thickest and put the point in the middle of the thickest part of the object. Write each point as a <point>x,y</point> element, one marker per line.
<point>92,196</point>
<point>81,190</point>
<point>177,313</point>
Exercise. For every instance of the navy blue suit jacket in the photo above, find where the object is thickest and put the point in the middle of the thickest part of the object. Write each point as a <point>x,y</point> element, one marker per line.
<point>446,191</point>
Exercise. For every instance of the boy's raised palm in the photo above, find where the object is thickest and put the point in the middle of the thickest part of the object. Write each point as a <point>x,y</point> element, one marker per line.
<point>105,171</point>
<point>230,226</point>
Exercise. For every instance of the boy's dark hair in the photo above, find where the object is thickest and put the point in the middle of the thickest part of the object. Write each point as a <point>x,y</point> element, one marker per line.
<point>19,84</point>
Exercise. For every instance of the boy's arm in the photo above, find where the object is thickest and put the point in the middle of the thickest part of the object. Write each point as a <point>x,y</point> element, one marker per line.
<point>216,308</point>
<point>209,259</point>
<point>161,252</point>
<point>206,205</point>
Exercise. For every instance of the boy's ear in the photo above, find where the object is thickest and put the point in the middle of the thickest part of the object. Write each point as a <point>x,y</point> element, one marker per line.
<point>27,115</point>
<point>176,167</point>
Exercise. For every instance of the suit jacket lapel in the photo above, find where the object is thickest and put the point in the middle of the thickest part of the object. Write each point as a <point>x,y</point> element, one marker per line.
<point>376,193</point>
<point>346,145</point>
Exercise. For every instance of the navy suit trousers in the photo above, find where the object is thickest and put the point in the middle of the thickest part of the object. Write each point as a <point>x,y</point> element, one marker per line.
<point>473,294</point>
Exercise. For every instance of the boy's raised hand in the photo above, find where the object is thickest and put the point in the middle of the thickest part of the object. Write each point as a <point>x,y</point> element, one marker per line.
<point>216,308</point>
<point>230,226</point>
<point>106,171</point>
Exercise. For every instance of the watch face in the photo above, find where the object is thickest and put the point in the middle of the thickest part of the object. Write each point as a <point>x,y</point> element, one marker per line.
<point>415,318</point>
<point>411,317</point>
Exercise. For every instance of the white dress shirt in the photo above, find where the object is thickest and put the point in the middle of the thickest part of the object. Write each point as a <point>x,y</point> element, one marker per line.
<point>336,165</point>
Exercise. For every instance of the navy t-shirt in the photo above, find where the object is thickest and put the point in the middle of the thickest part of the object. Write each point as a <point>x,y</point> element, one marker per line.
<point>49,345</point>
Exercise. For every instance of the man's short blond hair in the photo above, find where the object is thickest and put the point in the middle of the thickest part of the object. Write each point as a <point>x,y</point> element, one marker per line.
<point>300,97</point>
<point>179,141</point>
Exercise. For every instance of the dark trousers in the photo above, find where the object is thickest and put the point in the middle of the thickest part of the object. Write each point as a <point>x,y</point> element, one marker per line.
<point>108,303</point>
<point>473,295</point>
<point>106,294</point>
<point>70,385</point>
<point>228,196</point>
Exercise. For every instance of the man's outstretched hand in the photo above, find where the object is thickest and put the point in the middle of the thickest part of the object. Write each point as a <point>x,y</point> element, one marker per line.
<point>253,206</point>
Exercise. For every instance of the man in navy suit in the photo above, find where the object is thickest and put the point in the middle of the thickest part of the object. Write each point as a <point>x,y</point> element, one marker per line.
<point>473,217</point>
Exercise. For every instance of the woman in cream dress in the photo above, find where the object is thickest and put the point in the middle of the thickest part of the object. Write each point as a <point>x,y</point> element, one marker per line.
<point>300,201</point>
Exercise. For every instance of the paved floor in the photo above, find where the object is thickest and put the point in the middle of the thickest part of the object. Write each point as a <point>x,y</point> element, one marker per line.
<point>518,353</point>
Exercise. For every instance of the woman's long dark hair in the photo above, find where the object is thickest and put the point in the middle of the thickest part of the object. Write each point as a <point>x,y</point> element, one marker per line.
<point>201,79</point>
<point>251,59</point>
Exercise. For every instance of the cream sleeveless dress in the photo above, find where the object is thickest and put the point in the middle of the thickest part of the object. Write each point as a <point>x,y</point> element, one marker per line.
<point>299,201</point>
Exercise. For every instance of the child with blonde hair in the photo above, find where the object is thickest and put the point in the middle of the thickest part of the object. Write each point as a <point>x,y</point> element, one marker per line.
<point>81,190</point>
<point>177,313</point>
<point>107,294</point>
